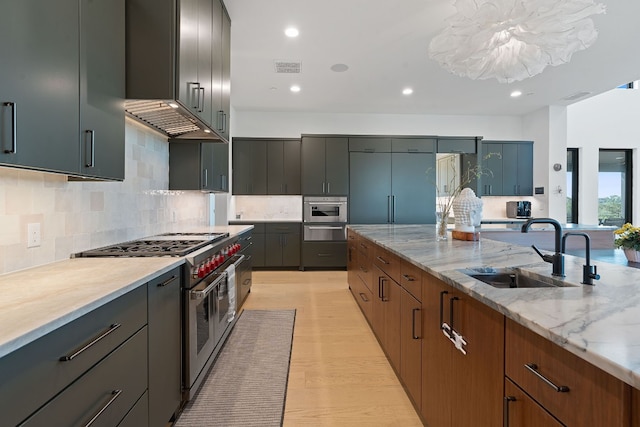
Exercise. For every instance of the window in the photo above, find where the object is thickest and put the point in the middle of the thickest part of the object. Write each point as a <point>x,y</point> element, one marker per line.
<point>572,186</point>
<point>614,187</point>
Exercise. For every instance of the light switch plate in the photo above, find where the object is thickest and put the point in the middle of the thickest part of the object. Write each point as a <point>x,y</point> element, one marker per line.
<point>33,235</point>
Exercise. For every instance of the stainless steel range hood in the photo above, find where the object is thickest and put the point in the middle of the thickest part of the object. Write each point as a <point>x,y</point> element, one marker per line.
<point>163,73</point>
<point>170,118</point>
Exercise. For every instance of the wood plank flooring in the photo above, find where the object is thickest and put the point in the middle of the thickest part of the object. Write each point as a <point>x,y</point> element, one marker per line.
<point>339,375</point>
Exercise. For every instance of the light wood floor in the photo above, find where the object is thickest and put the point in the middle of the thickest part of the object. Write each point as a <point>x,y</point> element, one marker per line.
<point>339,375</point>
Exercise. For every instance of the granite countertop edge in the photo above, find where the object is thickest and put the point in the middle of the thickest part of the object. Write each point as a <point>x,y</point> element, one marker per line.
<point>596,323</point>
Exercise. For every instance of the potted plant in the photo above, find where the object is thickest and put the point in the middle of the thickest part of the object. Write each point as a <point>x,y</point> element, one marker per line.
<point>627,237</point>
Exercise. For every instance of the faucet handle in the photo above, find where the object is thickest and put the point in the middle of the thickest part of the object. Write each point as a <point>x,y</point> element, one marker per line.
<point>546,258</point>
<point>589,274</point>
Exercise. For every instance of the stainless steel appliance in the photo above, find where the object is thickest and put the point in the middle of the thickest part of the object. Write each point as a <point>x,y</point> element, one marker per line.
<point>325,209</point>
<point>208,299</point>
<point>325,232</point>
<point>520,209</point>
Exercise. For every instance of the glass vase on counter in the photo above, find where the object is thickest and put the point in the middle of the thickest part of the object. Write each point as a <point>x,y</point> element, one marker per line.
<point>442,220</point>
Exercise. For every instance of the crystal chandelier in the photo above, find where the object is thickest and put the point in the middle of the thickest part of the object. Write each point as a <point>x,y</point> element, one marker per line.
<point>511,40</point>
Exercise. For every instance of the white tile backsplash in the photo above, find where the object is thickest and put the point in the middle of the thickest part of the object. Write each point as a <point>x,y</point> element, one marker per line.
<point>266,208</point>
<point>81,215</point>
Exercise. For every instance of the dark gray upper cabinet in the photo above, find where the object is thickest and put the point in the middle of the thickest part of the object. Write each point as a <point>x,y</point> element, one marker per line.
<point>222,117</point>
<point>457,145</point>
<point>102,87</point>
<point>283,167</point>
<point>325,166</point>
<point>511,166</point>
<point>62,86</point>
<point>370,144</point>
<point>197,165</point>
<point>413,145</point>
<point>249,160</point>
<point>40,48</point>
<point>194,61</point>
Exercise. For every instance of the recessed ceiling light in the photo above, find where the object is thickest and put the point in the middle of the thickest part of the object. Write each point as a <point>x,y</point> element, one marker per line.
<point>295,88</point>
<point>516,93</point>
<point>207,131</point>
<point>292,32</point>
<point>407,91</point>
<point>339,68</point>
<point>173,105</point>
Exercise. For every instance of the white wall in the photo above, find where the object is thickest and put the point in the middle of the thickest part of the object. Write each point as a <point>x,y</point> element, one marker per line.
<point>609,120</point>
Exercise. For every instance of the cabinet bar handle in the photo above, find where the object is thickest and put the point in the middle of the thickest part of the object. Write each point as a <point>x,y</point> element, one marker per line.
<point>505,409</point>
<point>380,287</point>
<point>389,209</point>
<point>91,343</point>
<point>92,154</point>
<point>349,257</point>
<point>328,187</point>
<point>533,368</point>
<point>408,278</point>
<point>382,260</point>
<point>166,282</point>
<point>442,294</point>
<point>393,209</point>
<point>200,105</point>
<point>114,395</point>
<point>323,188</point>
<point>451,301</point>
<point>14,128</point>
<point>206,178</point>
<point>363,297</point>
<point>413,324</point>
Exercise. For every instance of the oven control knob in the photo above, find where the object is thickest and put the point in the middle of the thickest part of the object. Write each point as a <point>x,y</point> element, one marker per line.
<point>201,271</point>
<point>209,265</point>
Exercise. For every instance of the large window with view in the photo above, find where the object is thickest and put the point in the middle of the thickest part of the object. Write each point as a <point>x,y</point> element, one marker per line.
<point>614,187</point>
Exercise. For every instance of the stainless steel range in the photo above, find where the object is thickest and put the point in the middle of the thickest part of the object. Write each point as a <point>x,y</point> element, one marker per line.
<point>208,296</point>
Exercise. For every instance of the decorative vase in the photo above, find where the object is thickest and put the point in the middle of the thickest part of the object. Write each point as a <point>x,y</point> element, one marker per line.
<point>442,219</point>
<point>632,255</point>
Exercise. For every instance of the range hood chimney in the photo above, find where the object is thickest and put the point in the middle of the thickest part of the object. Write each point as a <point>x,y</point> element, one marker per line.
<point>166,86</point>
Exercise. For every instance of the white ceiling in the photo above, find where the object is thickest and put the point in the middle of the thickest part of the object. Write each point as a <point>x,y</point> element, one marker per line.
<point>384,43</point>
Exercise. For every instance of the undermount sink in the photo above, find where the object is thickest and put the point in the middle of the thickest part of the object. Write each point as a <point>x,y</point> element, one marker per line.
<point>513,277</point>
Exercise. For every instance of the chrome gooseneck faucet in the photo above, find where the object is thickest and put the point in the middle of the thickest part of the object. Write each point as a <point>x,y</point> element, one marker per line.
<point>589,272</point>
<point>557,259</point>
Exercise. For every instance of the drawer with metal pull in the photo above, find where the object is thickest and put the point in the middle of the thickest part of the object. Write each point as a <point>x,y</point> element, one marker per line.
<point>574,391</point>
<point>38,371</point>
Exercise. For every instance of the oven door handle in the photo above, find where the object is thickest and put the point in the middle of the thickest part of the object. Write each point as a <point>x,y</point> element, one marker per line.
<point>326,203</point>
<point>239,261</point>
<point>312,227</point>
<point>197,294</point>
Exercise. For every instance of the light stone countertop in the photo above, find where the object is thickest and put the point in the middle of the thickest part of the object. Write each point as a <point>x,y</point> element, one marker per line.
<point>597,323</point>
<point>38,300</point>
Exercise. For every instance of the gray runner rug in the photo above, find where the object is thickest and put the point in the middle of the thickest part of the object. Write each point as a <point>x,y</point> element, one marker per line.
<point>247,384</point>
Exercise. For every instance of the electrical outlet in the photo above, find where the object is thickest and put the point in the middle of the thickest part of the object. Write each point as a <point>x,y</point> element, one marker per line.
<point>33,235</point>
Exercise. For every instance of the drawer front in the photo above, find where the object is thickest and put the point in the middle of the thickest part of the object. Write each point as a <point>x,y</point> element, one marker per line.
<point>283,227</point>
<point>587,396</point>
<point>387,262</point>
<point>411,279</point>
<point>635,407</point>
<point>324,254</point>
<point>363,297</point>
<point>522,411</point>
<point>138,416</point>
<point>34,374</point>
<point>107,392</point>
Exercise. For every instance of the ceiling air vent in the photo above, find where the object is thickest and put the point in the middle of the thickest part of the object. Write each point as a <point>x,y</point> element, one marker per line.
<point>576,96</point>
<point>287,67</point>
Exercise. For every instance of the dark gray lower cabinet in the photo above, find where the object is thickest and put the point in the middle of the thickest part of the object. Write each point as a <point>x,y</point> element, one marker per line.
<point>282,245</point>
<point>138,415</point>
<point>105,394</point>
<point>324,254</point>
<point>259,256</point>
<point>164,319</point>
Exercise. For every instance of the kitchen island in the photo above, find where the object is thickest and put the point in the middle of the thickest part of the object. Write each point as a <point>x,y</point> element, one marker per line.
<point>598,324</point>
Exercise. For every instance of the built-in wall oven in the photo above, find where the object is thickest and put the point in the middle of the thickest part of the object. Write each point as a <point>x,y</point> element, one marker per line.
<point>325,209</point>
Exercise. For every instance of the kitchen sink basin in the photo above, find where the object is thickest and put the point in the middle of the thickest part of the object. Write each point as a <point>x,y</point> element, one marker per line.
<point>513,277</point>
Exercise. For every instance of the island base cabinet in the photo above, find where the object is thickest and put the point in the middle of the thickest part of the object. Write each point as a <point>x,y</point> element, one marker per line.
<point>411,346</point>
<point>104,395</point>
<point>522,411</point>
<point>363,297</point>
<point>574,391</point>
<point>461,387</point>
<point>635,407</point>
